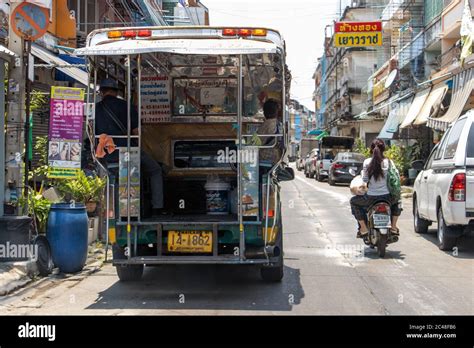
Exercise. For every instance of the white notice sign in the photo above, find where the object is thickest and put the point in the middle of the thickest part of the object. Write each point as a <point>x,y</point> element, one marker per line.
<point>212,96</point>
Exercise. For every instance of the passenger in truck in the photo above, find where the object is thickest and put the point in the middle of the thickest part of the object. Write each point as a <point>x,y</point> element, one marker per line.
<point>111,119</point>
<point>268,157</point>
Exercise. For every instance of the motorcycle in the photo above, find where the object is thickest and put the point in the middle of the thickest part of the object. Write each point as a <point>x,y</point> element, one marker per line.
<point>379,224</point>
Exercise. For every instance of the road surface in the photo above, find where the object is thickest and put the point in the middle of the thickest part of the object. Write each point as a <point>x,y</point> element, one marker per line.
<point>328,271</point>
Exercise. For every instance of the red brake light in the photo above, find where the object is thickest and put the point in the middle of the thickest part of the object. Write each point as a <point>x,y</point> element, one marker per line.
<point>381,208</point>
<point>229,32</point>
<point>337,166</point>
<point>457,191</point>
<point>245,32</point>
<point>144,33</point>
<point>129,33</point>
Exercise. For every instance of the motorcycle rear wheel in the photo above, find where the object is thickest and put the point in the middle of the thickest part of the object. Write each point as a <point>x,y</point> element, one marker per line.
<point>382,245</point>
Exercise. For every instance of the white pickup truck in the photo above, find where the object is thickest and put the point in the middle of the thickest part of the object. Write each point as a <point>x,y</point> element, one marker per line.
<point>444,188</point>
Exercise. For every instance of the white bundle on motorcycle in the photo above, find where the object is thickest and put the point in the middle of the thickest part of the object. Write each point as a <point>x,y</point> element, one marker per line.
<point>357,186</point>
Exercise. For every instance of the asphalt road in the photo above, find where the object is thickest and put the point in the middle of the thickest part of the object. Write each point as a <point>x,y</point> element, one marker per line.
<point>328,271</point>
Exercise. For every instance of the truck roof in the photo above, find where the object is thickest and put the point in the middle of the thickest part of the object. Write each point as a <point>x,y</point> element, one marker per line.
<point>182,40</point>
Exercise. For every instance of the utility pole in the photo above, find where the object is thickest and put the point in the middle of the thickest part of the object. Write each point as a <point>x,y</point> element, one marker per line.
<point>14,141</point>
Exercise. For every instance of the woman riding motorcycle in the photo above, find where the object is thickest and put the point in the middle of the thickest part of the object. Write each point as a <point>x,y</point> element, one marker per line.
<point>374,176</point>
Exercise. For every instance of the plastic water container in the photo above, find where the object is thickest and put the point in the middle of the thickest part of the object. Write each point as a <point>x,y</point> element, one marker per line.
<point>217,197</point>
<point>67,234</point>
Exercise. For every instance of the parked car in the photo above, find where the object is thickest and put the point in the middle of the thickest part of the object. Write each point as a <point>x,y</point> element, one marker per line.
<point>310,166</point>
<point>329,146</point>
<point>444,188</point>
<point>340,169</point>
<point>323,164</point>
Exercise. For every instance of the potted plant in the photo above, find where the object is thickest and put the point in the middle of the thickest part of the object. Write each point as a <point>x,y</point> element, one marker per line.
<point>84,189</point>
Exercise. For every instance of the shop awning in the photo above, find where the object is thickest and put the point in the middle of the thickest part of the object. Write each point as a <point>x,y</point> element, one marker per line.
<point>60,64</point>
<point>180,46</point>
<point>432,104</point>
<point>6,54</point>
<point>322,135</point>
<point>391,125</point>
<point>415,108</point>
<point>463,84</point>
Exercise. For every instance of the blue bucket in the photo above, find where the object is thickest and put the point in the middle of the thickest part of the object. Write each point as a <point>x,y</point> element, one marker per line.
<point>67,236</point>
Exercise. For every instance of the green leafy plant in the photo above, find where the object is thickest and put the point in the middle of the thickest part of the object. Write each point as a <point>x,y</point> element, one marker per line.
<point>41,150</point>
<point>360,147</point>
<point>400,156</point>
<point>38,207</point>
<point>83,189</point>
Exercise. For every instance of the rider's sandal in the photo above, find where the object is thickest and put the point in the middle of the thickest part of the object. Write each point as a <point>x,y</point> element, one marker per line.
<point>362,235</point>
<point>395,231</point>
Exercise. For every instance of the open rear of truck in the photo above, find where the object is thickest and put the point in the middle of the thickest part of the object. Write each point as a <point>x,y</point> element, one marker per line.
<point>200,94</point>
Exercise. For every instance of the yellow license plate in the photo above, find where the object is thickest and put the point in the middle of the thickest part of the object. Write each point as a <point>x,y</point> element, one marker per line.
<point>190,241</point>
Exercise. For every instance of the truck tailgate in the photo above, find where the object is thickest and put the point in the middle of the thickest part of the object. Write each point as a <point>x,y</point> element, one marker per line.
<point>470,189</point>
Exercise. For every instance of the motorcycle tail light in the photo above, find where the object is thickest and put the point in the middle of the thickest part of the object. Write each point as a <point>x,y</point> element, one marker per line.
<point>382,208</point>
<point>457,191</point>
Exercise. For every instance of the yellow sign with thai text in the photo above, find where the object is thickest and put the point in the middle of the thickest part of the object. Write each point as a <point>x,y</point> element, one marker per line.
<point>358,39</point>
<point>67,93</point>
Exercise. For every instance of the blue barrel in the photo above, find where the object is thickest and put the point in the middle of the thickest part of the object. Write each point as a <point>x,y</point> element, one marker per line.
<point>67,235</point>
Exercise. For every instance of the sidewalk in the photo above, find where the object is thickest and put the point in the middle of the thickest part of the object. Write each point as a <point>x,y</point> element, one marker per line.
<point>407,191</point>
<point>15,275</point>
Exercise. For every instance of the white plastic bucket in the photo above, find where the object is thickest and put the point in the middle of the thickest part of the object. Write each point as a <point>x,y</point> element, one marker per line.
<point>217,197</point>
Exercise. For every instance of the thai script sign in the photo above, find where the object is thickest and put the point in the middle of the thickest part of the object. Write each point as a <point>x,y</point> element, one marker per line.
<point>65,132</point>
<point>156,102</point>
<point>358,34</point>
<point>358,27</point>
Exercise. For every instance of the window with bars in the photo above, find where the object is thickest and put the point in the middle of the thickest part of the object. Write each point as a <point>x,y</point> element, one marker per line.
<point>433,9</point>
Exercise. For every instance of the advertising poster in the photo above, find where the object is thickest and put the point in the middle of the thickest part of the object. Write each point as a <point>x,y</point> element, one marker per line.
<point>65,132</point>
<point>156,100</point>
<point>134,181</point>
<point>250,183</point>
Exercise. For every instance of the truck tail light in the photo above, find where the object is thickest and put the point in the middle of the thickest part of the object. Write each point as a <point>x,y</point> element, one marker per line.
<point>229,32</point>
<point>245,32</point>
<point>144,33</point>
<point>129,34</point>
<point>114,34</point>
<point>457,191</point>
<point>259,32</point>
<point>320,164</point>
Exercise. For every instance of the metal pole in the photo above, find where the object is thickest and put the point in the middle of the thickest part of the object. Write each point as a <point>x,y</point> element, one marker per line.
<point>239,174</point>
<point>139,106</point>
<point>27,122</point>
<point>14,144</point>
<point>2,135</point>
<point>129,90</point>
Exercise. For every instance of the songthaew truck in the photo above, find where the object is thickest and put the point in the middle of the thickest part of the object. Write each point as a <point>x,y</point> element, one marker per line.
<point>199,92</point>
